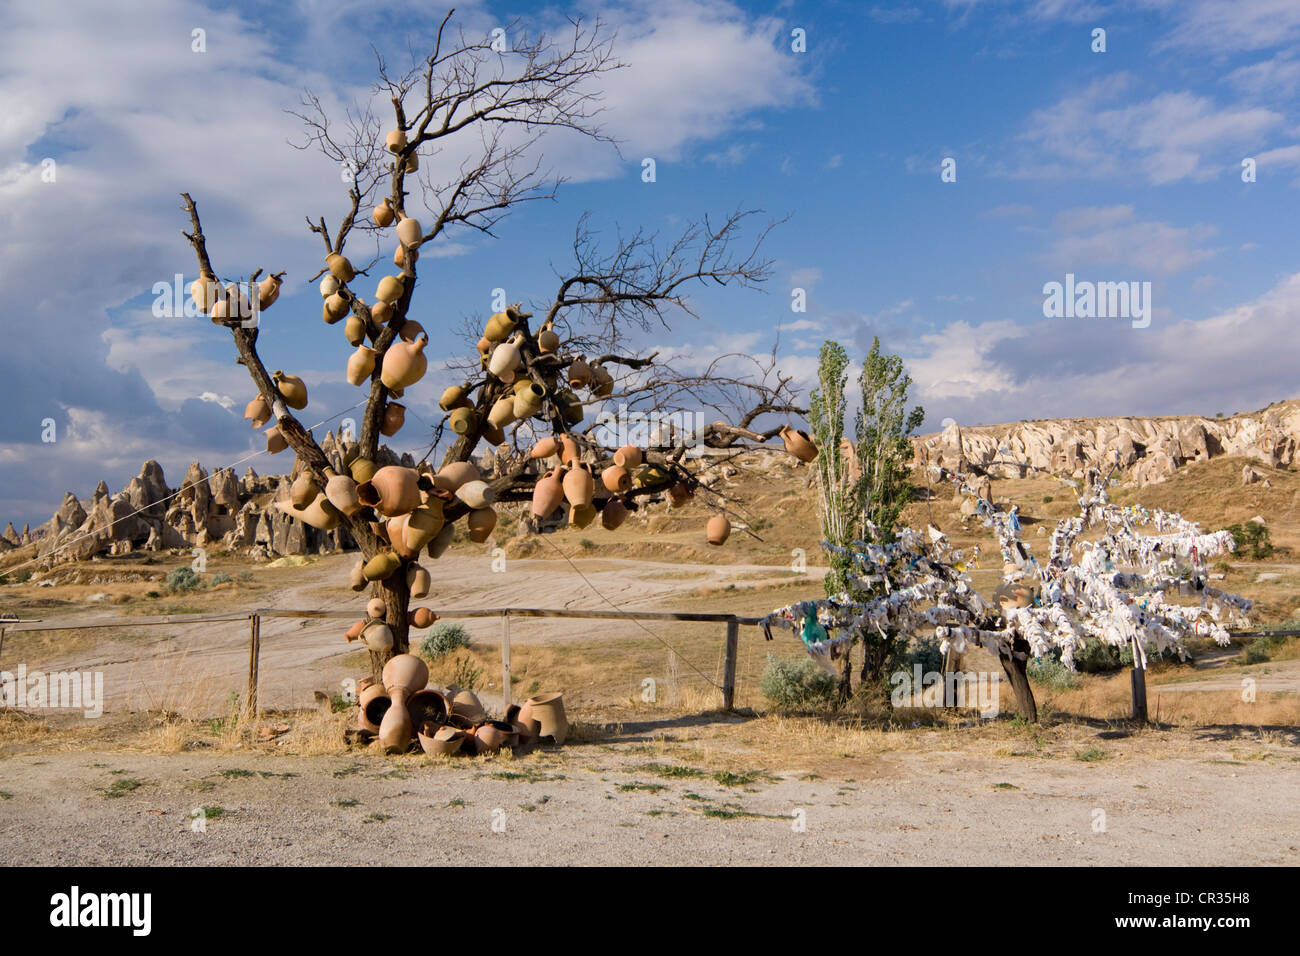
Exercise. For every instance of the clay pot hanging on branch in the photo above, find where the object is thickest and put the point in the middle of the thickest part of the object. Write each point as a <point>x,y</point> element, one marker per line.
<point>303,491</point>
<point>798,443</point>
<point>452,396</point>
<point>393,490</point>
<point>340,268</point>
<point>545,448</point>
<point>616,479</point>
<point>579,486</point>
<point>463,420</point>
<point>361,365</point>
<point>259,411</point>
<point>548,493</point>
<point>291,389</point>
<point>404,363</point>
<point>393,420</point>
<point>383,214</point>
<point>319,513</point>
<point>613,514</point>
<point>718,529</point>
<point>268,290</point>
<point>409,232</point>
<point>481,523</point>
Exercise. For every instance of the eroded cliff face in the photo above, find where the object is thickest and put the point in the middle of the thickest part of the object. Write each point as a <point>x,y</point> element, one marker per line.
<point>1146,450</point>
<point>217,510</point>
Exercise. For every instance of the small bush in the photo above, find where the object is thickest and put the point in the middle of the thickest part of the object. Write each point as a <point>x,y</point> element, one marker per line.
<point>222,578</point>
<point>183,579</point>
<point>925,651</point>
<point>1050,672</point>
<point>1253,540</point>
<point>1261,648</point>
<point>791,683</point>
<point>1047,499</point>
<point>443,639</point>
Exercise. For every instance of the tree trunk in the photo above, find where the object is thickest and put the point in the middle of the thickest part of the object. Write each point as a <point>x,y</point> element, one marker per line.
<point>1014,659</point>
<point>397,598</point>
<point>846,677</point>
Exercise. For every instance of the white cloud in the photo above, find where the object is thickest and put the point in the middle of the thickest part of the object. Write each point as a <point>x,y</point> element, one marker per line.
<point>1114,236</point>
<point>1172,136</point>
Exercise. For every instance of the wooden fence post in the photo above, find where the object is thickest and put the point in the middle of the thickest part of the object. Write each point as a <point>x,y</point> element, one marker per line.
<point>254,658</point>
<point>505,657</point>
<point>1138,676</point>
<point>729,665</point>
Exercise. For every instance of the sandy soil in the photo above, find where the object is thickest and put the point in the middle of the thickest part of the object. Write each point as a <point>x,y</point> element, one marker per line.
<point>600,805</point>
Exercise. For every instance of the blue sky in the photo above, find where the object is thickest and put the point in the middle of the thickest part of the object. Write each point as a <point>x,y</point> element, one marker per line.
<point>1115,166</point>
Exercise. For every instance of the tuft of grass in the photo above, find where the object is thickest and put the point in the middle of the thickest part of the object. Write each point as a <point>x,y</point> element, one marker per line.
<point>1005,786</point>
<point>377,818</point>
<point>668,770</point>
<point>214,813</point>
<point>120,788</point>
<point>637,785</point>
<point>530,775</point>
<point>346,802</point>
<point>1091,755</point>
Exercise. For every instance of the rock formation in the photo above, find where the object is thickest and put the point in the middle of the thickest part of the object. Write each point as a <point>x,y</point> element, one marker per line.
<point>215,510</point>
<point>1147,450</point>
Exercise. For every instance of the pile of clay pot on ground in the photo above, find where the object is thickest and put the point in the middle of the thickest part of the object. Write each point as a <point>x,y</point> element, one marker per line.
<point>403,710</point>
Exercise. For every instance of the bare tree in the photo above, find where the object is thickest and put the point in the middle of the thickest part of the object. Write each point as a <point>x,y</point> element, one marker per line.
<point>494,105</point>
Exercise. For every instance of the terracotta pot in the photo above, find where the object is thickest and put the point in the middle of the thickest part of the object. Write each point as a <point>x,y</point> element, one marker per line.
<point>582,515</point>
<point>205,291</point>
<point>678,494</point>
<point>328,286</point>
<point>481,523</point>
<point>579,373</point>
<point>356,577</point>
<point>528,402</point>
<point>545,448</point>
<point>718,529</point>
<point>484,349</point>
<point>393,420</point>
<point>389,289</point>
<point>466,704</point>
<point>613,514</point>
<point>494,734</point>
<point>339,267</point>
<point>396,528</point>
<point>476,494</point>
<point>333,309</point>
<point>303,491</point>
<point>319,514</point>
<point>504,361</point>
<point>360,365</point>
<point>446,742</point>
<point>453,475</point>
<point>798,443</point>
<point>381,312</point>
<point>381,566</point>
<point>548,711</point>
<point>422,617</point>
<point>629,456</point>
<point>527,730</point>
<point>548,493</point>
<point>463,420</point>
<point>404,363</point>
<point>442,540</point>
<point>268,290</point>
<point>451,397</point>
<point>372,702</point>
<point>410,330</point>
<point>547,341</point>
<point>579,486</point>
<point>291,389</point>
<point>395,141</point>
<point>570,408</point>
<point>393,490</point>
<point>259,411</point>
<point>427,706</point>
<point>418,581</point>
<point>499,326</point>
<point>616,479</point>
<point>409,232</point>
<point>354,632</point>
<point>493,435</point>
<point>396,730</point>
<point>362,470</point>
<point>342,494</point>
<point>354,330</point>
<point>423,524</point>
<point>502,412</point>
<point>403,675</point>
<point>403,254</point>
<point>383,214</point>
<point>377,636</point>
<point>568,451</point>
<point>602,383</point>
<point>376,609</point>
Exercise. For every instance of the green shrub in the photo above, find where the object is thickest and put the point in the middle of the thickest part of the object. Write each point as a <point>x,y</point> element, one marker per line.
<point>1253,540</point>
<point>924,651</point>
<point>1261,648</point>
<point>183,579</point>
<point>1047,499</point>
<point>791,683</point>
<point>1050,672</point>
<point>442,640</point>
<point>222,578</point>
<point>467,673</point>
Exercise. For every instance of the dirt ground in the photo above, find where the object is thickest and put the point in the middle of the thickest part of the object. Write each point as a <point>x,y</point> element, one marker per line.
<point>1159,799</point>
